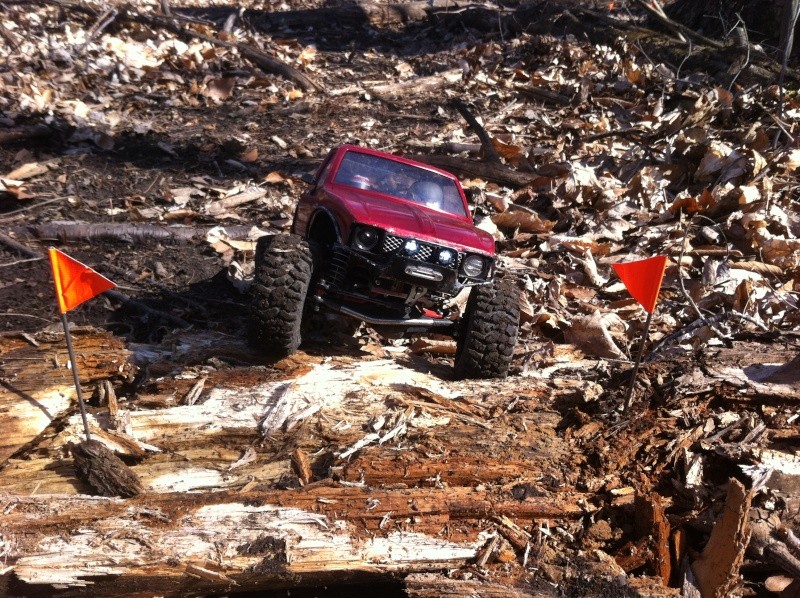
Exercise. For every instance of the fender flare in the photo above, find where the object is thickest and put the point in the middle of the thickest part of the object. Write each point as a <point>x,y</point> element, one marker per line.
<point>337,229</point>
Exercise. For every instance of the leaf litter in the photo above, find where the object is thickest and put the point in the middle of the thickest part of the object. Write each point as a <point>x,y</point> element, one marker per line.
<point>621,156</point>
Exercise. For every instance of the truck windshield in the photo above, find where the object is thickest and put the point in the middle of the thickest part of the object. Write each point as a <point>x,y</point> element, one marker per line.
<point>403,181</point>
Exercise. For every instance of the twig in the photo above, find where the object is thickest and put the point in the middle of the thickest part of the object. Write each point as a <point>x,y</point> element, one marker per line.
<point>629,132</point>
<point>778,122</point>
<point>23,133</point>
<point>791,13</point>
<point>677,28</point>
<point>262,60</point>
<point>772,551</point>
<point>486,140</point>
<point>31,259</point>
<point>746,45</point>
<point>746,318</point>
<point>686,295</point>
<point>11,215</point>
<point>656,5</point>
<point>115,295</point>
<point>19,247</point>
<point>104,21</point>
<point>68,232</point>
<point>679,335</point>
<point>8,314</point>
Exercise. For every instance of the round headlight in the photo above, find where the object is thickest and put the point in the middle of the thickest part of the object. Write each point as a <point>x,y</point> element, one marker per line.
<point>446,257</point>
<point>473,266</point>
<point>366,238</point>
<point>410,247</point>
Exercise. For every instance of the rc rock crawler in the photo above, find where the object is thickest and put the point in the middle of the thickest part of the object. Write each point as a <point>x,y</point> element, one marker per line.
<point>385,240</point>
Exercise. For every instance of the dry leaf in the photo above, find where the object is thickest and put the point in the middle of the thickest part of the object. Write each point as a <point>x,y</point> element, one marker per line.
<point>220,89</point>
<point>748,194</point>
<point>525,309</point>
<point>775,249</point>
<point>758,268</point>
<point>307,56</point>
<point>440,347</point>
<point>15,188</point>
<point>792,161</point>
<point>759,163</point>
<point>523,221</point>
<point>274,177</point>
<point>590,335</point>
<point>27,171</point>
<point>498,202</point>
<point>721,161</point>
<point>512,153</point>
<point>249,156</point>
<point>691,205</point>
<point>182,195</point>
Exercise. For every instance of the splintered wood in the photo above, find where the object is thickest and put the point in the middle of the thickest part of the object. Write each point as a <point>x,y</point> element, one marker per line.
<point>383,469</point>
<point>717,568</point>
<point>253,538</point>
<point>36,387</point>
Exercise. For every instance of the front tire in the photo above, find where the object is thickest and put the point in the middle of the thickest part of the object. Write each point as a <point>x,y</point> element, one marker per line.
<point>488,331</point>
<point>283,271</point>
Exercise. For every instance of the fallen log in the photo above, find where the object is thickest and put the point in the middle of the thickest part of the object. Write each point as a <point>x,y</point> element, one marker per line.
<point>416,86</point>
<point>271,477</point>
<point>346,16</point>
<point>181,542</point>
<point>431,585</point>
<point>322,409</point>
<point>24,133</point>
<point>72,232</point>
<point>497,173</point>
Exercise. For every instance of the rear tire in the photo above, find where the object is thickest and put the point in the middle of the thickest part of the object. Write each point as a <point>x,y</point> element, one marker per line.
<point>283,271</point>
<point>488,331</point>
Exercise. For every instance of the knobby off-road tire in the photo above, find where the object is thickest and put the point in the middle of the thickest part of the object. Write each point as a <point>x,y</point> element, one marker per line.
<point>284,266</point>
<point>488,331</point>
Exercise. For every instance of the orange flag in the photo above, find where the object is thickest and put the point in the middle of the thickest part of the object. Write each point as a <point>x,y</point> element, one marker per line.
<point>643,279</point>
<point>75,282</point>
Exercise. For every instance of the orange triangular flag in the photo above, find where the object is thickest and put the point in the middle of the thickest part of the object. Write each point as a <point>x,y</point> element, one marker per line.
<point>643,279</point>
<point>75,282</point>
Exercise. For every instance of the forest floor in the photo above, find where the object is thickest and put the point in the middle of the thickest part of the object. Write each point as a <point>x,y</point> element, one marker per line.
<point>156,150</point>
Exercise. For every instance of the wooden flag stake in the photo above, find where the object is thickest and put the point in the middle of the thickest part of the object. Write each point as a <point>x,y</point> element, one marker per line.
<point>75,376</point>
<point>646,333</point>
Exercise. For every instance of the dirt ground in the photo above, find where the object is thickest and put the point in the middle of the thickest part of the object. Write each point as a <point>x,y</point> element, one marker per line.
<point>139,126</point>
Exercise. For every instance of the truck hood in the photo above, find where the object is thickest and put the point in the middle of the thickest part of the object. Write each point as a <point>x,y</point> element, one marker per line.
<point>409,220</point>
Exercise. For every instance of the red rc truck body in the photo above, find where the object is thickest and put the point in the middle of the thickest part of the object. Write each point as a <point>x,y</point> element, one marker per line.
<point>396,213</point>
<point>385,240</point>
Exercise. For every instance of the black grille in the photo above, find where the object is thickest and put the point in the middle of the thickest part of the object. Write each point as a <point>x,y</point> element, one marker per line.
<point>391,244</point>
<point>427,251</point>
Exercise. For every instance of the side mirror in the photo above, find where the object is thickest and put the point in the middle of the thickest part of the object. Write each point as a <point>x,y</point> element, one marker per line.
<point>307,177</point>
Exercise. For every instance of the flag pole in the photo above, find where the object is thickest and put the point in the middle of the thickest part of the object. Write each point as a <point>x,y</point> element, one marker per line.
<point>75,376</point>
<point>645,334</point>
